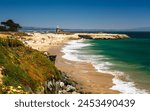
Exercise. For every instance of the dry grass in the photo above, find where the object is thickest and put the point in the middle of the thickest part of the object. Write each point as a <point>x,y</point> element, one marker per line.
<point>25,67</point>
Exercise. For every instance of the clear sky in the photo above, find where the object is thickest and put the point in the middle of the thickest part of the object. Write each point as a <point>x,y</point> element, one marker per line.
<point>78,14</point>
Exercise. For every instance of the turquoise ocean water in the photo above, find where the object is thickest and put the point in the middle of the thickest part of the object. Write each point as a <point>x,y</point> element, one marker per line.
<point>127,59</point>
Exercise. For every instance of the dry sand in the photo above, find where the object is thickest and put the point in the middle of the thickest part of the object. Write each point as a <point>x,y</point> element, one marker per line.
<point>88,79</point>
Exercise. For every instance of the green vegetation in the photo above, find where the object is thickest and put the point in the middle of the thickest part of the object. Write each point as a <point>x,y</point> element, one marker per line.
<point>9,25</point>
<point>10,42</point>
<point>24,67</point>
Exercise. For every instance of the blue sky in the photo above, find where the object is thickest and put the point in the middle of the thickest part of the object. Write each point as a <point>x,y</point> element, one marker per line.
<point>78,14</point>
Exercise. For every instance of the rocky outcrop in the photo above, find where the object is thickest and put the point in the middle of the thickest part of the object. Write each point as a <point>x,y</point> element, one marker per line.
<point>102,36</point>
<point>62,86</point>
<point>52,58</point>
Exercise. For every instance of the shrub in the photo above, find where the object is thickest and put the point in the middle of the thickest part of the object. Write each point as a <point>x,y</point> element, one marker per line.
<point>10,25</point>
<point>10,42</point>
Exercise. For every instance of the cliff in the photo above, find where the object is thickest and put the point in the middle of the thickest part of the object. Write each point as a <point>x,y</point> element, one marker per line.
<point>23,69</point>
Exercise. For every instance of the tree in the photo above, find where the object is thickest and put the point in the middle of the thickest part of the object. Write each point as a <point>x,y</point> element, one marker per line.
<point>10,25</point>
<point>2,28</point>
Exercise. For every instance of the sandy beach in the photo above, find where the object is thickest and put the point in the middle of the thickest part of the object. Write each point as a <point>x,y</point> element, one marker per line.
<point>84,74</point>
<point>88,79</point>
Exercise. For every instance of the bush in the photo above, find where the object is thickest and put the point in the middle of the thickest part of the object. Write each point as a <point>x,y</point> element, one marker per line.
<point>2,28</point>
<point>24,67</point>
<point>10,42</point>
<point>10,25</point>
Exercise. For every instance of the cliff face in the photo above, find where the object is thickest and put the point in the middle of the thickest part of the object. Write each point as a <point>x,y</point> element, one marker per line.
<point>24,70</point>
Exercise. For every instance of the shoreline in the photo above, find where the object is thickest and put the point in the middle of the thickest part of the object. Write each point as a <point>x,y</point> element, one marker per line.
<point>84,74</point>
<point>120,81</point>
<point>87,78</point>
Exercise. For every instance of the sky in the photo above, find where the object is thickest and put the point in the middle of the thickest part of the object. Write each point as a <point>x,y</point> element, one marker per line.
<point>78,14</point>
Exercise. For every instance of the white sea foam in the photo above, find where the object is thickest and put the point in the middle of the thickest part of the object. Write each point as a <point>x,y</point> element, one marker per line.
<point>126,87</point>
<point>101,64</point>
<point>70,51</point>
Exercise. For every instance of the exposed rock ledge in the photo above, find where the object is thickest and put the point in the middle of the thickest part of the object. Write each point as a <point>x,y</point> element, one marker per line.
<point>102,36</point>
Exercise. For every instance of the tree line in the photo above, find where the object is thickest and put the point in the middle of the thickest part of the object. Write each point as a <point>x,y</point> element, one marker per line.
<point>9,25</point>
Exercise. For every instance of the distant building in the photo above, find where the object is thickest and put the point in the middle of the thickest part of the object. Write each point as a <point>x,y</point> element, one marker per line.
<point>58,29</point>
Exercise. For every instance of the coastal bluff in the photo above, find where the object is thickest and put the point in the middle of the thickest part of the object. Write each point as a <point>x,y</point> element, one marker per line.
<point>43,41</point>
<point>102,36</point>
<point>24,67</point>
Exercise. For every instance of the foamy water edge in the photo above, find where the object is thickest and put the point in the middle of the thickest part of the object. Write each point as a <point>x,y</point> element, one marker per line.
<point>71,53</point>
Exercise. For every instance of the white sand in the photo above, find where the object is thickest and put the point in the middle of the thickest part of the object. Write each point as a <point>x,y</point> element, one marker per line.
<point>43,41</point>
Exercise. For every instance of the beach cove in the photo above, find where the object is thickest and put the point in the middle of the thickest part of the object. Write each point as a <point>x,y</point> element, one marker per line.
<point>97,63</point>
<point>87,78</point>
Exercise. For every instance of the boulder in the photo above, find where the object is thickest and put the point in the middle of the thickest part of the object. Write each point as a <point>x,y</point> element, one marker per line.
<point>52,58</point>
<point>50,85</point>
<point>70,88</point>
<point>62,84</point>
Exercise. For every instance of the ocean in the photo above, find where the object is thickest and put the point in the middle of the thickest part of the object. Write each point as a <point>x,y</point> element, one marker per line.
<point>128,60</point>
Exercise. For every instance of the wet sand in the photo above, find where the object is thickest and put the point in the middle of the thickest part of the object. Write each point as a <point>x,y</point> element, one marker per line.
<point>88,79</point>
